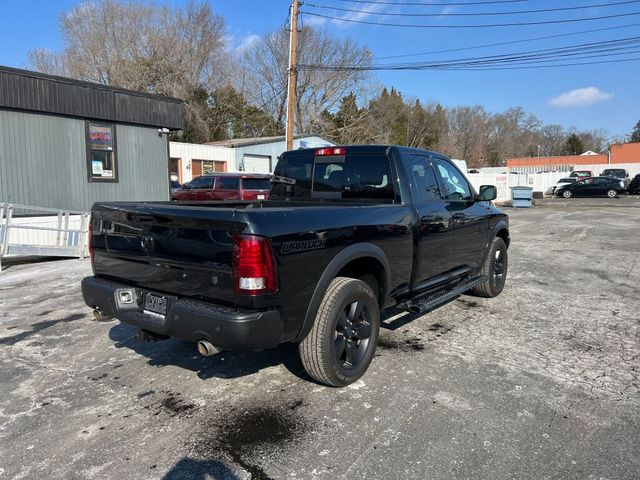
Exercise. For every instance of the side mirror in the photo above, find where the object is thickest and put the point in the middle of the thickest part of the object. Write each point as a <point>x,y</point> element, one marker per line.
<point>488,193</point>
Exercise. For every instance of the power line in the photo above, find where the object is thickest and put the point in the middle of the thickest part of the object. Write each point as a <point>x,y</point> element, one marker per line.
<point>593,46</point>
<point>446,4</point>
<point>580,51</point>
<point>485,25</point>
<point>498,44</point>
<point>531,67</point>
<point>490,62</point>
<point>468,14</point>
<point>526,67</point>
<point>548,59</point>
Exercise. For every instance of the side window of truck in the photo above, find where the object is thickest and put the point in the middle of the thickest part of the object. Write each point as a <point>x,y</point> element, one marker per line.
<point>453,183</point>
<point>423,178</point>
<point>202,182</point>
<point>229,183</point>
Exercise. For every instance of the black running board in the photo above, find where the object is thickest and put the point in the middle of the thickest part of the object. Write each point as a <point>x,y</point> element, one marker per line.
<point>437,299</point>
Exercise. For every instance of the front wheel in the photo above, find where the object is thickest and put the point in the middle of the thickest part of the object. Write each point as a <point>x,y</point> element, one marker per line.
<point>612,193</point>
<point>567,194</point>
<point>340,346</point>
<point>495,268</point>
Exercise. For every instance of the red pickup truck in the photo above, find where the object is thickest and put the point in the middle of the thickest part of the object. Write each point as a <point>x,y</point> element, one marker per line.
<point>225,186</point>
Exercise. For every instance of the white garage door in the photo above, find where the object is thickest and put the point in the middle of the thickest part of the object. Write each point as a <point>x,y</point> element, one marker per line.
<point>257,163</point>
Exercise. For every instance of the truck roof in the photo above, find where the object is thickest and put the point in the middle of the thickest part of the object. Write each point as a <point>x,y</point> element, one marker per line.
<point>237,174</point>
<point>379,149</point>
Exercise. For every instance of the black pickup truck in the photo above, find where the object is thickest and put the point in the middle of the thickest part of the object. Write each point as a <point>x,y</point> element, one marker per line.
<point>346,232</point>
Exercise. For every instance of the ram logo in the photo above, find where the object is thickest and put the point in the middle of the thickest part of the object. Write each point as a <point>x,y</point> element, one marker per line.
<point>148,242</point>
<point>303,245</point>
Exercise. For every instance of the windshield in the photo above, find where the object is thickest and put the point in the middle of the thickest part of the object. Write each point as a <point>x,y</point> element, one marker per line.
<point>333,177</point>
<point>613,173</point>
<point>256,184</point>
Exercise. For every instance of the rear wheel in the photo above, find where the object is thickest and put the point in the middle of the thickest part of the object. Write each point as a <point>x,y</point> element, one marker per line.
<point>343,340</point>
<point>495,268</point>
<point>567,194</point>
<point>612,193</point>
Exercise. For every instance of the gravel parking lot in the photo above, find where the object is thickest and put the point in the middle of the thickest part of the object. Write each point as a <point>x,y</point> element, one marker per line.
<point>541,382</point>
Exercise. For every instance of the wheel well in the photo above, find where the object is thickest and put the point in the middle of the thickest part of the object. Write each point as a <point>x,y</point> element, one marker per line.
<point>504,235</point>
<point>364,267</point>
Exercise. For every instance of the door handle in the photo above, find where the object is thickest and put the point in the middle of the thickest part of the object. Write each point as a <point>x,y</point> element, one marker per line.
<point>459,216</point>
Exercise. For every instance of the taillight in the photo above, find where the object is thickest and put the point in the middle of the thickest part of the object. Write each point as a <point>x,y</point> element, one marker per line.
<point>323,152</point>
<point>254,270</point>
<point>90,245</point>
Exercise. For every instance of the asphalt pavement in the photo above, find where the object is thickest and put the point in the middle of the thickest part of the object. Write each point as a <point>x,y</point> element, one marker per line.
<point>541,382</point>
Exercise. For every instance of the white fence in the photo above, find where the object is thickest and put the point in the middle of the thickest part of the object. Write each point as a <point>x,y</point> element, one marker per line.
<point>27,230</point>
<point>540,182</point>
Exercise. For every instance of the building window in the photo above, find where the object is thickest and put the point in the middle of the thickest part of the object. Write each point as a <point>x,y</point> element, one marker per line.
<point>102,161</point>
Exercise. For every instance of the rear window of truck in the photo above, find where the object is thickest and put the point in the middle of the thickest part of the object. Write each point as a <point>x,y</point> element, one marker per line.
<point>344,177</point>
<point>256,184</point>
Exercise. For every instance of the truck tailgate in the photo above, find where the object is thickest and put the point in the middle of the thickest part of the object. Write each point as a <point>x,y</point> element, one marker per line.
<point>185,251</point>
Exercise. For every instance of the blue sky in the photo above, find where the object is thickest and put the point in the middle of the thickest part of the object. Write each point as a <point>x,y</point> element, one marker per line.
<point>595,96</point>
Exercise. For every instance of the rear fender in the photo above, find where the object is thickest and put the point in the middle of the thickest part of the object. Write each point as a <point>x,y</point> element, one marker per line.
<point>353,252</point>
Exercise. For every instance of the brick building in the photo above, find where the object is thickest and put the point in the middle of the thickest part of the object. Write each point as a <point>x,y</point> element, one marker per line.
<point>623,153</point>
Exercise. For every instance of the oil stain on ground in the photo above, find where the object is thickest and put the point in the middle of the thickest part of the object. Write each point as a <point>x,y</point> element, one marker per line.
<point>248,433</point>
<point>468,304</point>
<point>174,404</point>
<point>439,329</point>
<point>412,344</point>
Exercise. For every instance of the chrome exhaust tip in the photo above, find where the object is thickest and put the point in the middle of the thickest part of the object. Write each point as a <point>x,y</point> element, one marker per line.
<point>98,316</point>
<point>206,348</point>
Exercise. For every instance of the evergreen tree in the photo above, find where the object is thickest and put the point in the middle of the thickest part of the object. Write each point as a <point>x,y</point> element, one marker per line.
<point>573,145</point>
<point>635,135</point>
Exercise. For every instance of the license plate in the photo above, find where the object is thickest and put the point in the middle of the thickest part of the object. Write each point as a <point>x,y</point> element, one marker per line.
<point>260,197</point>
<point>155,304</point>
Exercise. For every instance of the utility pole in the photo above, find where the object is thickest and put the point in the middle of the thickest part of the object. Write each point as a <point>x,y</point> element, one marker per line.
<point>292,73</point>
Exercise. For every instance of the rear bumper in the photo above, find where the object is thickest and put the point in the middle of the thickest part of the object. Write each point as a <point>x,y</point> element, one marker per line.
<point>225,327</point>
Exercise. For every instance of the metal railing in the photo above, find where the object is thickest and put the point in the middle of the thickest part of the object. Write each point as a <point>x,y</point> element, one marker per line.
<point>37,231</point>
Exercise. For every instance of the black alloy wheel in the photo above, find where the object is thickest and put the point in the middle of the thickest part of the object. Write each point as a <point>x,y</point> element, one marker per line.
<point>353,333</point>
<point>499,267</point>
<point>342,342</point>
<point>495,268</point>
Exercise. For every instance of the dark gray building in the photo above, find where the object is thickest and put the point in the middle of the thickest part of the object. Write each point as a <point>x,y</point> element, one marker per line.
<point>66,144</point>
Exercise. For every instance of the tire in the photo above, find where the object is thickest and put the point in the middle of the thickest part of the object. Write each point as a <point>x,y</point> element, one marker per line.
<point>567,194</point>
<point>341,344</point>
<point>612,193</point>
<point>495,267</point>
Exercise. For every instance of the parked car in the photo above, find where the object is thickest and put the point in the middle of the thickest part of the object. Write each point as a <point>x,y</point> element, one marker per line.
<point>634,185</point>
<point>581,173</point>
<point>620,173</point>
<point>347,232</point>
<point>561,183</point>
<point>175,186</point>
<point>225,186</point>
<point>592,187</point>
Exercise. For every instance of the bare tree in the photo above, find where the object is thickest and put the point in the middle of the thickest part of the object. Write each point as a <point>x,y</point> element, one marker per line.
<point>467,134</point>
<point>176,51</point>
<point>265,64</point>
<point>595,140</point>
